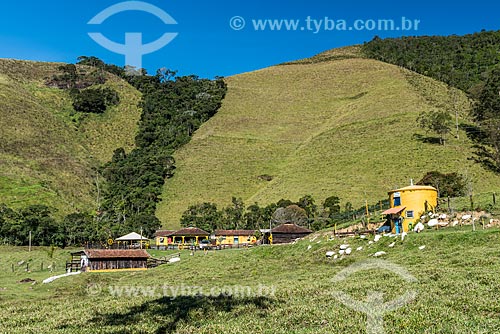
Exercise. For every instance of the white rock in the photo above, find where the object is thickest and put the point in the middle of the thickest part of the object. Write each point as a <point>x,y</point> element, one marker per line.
<point>318,241</point>
<point>455,223</point>
<point>421,247</point>
<point>360,248</point>
<point>392,244</point>
<point>443,216</point>
<point>344,246</point>
<point>370,242</point>
<point>419,227</point>
<point>174,260</point>
<point>341,252</point>
<point>348,251</point>
<point>377,254</point>
<point>377,238</point>
<point>309,247</point>
<point>362,236</point>
<point>330,253</point>
<point>335,257</point>
<point>491,221</point>
<point>466,217</point>
<point>432,222</point>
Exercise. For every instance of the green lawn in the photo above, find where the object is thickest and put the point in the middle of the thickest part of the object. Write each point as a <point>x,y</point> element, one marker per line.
<point>268,289</point>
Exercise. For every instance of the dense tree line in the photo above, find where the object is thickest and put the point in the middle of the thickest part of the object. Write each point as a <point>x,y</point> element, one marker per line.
<point>173,107</point>
<point>468,62</point>
<point>304,212</point>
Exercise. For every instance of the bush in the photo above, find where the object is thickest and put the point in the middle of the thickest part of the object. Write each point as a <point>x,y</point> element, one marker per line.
<point>448,185</point>
<point>95,100</point>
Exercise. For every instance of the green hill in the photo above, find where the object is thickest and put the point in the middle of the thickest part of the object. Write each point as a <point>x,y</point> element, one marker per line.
<point>46,154</point>
<point>335,124</point>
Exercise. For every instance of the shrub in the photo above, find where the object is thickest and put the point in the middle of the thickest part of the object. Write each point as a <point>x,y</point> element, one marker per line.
<point>95,100</point>
<point>448,185</point>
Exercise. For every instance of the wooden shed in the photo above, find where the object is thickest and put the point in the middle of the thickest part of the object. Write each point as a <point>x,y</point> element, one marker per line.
<point>286,233</point>
<point>105,260</point>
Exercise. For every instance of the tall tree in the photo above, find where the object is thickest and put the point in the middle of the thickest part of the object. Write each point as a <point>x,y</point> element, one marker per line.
<point>436,121</point>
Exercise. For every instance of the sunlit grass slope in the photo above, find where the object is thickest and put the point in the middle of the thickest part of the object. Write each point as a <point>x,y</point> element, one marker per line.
<point>46,157</point>
<point>324,127</point>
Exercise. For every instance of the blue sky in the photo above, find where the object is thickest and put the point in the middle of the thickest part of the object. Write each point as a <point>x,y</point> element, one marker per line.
<point>206,44</point>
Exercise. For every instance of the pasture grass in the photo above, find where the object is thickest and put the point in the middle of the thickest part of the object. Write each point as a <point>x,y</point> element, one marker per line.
<point>283,289</point>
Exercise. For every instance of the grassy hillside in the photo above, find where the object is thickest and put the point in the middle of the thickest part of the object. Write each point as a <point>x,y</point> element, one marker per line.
<point>45,156</point>
<point>273,289</point>
<point>328,126</point>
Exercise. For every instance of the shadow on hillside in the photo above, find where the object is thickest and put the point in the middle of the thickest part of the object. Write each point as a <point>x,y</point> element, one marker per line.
<point>169,312</point>
<point>427,139</point>
<point>481,154</point>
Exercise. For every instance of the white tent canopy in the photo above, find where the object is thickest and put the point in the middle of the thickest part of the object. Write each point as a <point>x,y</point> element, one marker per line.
<point>132,237</point>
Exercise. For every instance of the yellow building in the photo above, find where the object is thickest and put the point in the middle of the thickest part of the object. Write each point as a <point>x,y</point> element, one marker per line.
<point>189,236</point>
<point>410,203</point>
<point>163,238</point>
<point>235,237</point>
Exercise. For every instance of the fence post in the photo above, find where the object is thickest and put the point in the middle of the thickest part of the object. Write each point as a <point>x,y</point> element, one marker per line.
<point>494,198</point>
<point>12,267</point>
<point>41,266</point>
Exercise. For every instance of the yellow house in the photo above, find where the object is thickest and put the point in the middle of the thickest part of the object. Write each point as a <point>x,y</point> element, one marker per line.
<point>163,238</point>
<point>189,236</point>
<point>410,203</point>
<point>235,237</point>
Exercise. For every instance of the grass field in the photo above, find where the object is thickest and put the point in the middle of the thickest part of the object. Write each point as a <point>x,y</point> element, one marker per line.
<point>268,289</point>
<point>335,124</point>
<point>45,157</point>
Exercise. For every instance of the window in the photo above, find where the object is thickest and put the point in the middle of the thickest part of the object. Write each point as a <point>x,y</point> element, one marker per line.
<point>162,240</point>
<point>409,214</point>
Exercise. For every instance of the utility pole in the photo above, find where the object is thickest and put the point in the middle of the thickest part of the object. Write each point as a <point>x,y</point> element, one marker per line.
<point>141,238</point>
